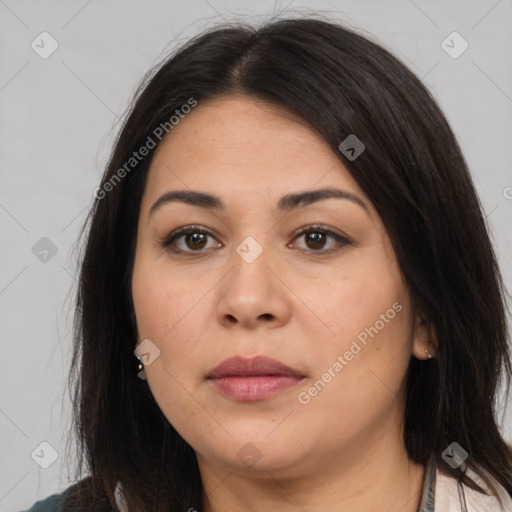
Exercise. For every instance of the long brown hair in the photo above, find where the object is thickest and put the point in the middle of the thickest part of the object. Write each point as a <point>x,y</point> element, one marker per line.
<point>414,173</point>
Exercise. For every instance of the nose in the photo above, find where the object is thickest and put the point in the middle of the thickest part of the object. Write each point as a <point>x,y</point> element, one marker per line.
<point>253,294</point>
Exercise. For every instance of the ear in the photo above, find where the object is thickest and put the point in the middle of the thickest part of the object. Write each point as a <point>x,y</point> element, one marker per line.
<point>425,343</point>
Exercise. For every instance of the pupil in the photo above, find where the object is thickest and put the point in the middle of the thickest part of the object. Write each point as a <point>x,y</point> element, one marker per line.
<point>196,238</point>
<point>318,239</point>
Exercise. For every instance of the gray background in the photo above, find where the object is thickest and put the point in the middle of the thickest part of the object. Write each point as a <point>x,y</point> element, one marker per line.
<point>59,118</point>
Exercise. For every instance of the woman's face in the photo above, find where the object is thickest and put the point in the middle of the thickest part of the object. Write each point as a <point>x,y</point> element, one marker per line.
<point>329,304</point>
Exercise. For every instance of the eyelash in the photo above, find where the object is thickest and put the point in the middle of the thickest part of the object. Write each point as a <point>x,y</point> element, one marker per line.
<point>168,241</point>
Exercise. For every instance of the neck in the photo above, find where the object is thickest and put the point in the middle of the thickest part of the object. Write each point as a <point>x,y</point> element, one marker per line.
<point>367,476</point>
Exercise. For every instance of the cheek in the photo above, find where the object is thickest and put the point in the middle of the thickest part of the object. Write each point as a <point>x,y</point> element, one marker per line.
<point>170,308</point>
<point>194,421</point>
<point>360,364</point>
<point>170,311</point>
<point>363,300</point>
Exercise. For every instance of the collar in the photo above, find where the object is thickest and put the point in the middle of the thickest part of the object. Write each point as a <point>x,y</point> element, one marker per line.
<point>427,501</point>
<point>429,485</point>
<point>120,502</point>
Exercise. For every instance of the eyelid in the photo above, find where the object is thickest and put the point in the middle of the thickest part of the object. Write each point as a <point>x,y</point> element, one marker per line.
<point>167,241</point>
<point>319,227</point>
<point>341,239</point>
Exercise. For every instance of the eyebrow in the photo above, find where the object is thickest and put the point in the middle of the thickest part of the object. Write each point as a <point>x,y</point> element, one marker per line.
<point>285,204</point>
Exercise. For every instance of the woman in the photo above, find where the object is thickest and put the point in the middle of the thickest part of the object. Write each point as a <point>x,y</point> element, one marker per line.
<point>288,297</point>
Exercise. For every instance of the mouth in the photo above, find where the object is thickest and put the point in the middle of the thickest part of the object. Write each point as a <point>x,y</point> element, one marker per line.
<point>254,379</point>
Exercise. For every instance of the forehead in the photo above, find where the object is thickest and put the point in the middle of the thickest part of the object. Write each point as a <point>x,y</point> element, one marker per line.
<point>242,147</point>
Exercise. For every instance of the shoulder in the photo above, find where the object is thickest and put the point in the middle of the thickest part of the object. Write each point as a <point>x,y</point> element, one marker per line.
<point>53,503</point>
<point>450,495</point>
<point>69,499</point>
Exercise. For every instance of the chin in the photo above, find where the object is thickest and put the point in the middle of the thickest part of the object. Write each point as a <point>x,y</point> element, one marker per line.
<point>254,452</point>
<point>252,459</point>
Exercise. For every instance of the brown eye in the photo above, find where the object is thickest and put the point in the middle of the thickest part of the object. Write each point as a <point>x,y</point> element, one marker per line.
<point>317,240</point>
<point>316,237</point>
<point>193,239</point>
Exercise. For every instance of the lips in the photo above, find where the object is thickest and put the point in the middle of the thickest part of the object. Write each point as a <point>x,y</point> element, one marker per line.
<point>249,380</point>
<point>255,366</point>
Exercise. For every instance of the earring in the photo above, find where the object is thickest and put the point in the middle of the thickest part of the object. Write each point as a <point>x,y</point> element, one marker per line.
<point>141,374</point>
<point>426,350</point>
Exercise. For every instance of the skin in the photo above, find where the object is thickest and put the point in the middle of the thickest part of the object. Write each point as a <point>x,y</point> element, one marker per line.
<point>344,449</point>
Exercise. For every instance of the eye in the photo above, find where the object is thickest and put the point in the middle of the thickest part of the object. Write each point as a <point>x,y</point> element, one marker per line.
<point>316,237</point>
<point>194,239</point>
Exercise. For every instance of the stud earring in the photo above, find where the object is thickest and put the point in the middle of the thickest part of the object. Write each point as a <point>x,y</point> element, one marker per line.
<point>426,350</point>
<point>141,373</point>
